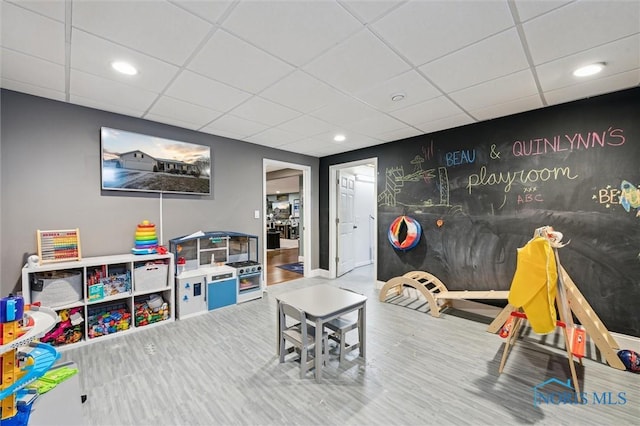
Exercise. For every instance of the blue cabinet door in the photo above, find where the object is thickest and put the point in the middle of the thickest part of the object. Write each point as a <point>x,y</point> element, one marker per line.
<point>222,293</point>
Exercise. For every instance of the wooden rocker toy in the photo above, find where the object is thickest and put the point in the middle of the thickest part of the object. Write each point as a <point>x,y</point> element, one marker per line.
<point>434,291</point>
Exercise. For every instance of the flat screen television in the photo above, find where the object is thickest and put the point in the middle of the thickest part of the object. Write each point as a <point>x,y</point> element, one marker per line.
<point>136,162</point>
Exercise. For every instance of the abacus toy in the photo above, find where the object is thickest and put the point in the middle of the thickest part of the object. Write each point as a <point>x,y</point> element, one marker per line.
<point>146,239</point>
<point>58,245</point>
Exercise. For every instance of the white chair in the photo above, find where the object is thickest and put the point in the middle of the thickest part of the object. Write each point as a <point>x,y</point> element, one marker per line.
<point>339,328</point>
<point>302,336</point>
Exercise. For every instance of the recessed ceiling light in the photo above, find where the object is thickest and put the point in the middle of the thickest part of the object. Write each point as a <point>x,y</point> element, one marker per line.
<point>589,70</point>
<point>339,138</point>
<point>124,68</point>
<point>397,97</point>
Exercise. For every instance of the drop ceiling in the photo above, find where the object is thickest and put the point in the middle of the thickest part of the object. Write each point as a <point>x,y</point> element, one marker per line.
<point>292,74</point>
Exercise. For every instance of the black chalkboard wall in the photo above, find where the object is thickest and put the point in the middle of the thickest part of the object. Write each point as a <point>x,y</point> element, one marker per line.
<point>575,167</point>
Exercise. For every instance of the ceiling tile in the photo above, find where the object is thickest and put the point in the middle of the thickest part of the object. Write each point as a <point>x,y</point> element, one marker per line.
<point>362,141</point>
<point>158,28</point>
<point>445,123</point>
<point>353,138</point>
<point>405,132</point>
<point>492,57</point>
<point>183,111</point>
<point>94,55</point>
<point>194,88</point>
<point>211,11</point>
<point>528,9</point>
<point>33,71</point>
<point>430,110</point>
<point>596,87</point>
<point>512,107</point>
<point>368,11</point>
<point>293,31</point>
<point>110,92</point>
<point>304,146</point>
<point>310,146</point>
<point>302,92</point>
<point>274,137</point>
<point>360,62</point>
<point>498,91</point>
<point>230,60</point>
<point>376,123</point>
<point>620,56</point>
<point>105,106</point>
<point>30,89</point>
<point>416,28</point>
<point>265,112</point>
<point>54,9</point>
<point>173,121</point>
<point>347,110</point>
<point>33,34</point>
<point>307,125</point>
<point>547,35</point>
<point>223,133</point>
<point>236,125</point>
<point>414,86</point>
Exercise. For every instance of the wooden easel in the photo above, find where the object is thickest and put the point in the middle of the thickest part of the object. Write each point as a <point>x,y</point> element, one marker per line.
<point>569,301</point>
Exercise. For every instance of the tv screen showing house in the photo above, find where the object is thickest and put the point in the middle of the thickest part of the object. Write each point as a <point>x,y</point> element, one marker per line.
<point>136,162</point>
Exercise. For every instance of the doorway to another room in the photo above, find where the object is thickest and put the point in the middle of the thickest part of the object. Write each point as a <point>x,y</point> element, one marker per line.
<point>352,216</point>
<point>285,216</point>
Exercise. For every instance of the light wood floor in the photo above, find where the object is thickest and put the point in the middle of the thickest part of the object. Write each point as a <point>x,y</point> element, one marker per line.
<point>221,368</point>
<point>275,275</point>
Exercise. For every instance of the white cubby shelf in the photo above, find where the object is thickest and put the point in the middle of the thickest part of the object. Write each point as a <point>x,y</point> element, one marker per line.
<point>96,298</point>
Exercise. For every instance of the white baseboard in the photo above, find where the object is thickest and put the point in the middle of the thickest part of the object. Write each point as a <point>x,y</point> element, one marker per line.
<point>322,273</point>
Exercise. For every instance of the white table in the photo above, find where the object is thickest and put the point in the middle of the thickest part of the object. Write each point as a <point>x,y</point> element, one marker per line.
<point>322,303</point>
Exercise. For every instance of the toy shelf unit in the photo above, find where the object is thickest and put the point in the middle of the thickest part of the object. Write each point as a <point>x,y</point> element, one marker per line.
<point>104,296</point>
<point>197,253</point>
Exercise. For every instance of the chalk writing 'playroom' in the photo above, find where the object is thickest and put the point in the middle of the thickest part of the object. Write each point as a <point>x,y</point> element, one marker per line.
<point>520,176</point>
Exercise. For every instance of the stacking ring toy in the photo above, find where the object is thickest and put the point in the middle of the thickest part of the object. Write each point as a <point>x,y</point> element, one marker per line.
<point>145,238</point>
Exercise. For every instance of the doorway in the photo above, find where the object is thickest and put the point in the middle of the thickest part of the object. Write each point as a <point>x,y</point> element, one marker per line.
<point>352,216</point>
<point>285,219</point>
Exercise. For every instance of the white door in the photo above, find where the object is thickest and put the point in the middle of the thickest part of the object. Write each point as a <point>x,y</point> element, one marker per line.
<point>345,223</point>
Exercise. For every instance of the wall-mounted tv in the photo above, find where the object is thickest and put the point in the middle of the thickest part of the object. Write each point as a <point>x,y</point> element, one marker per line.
<point>136,162</point>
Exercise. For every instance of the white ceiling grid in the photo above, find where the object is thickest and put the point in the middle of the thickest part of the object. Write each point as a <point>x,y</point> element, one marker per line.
<point>292,74</point>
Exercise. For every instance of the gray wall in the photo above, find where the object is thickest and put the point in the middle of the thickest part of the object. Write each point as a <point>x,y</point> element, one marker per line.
<point>50,179</point>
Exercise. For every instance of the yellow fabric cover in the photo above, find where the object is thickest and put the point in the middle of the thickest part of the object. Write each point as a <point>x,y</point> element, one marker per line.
<point>534,284</point>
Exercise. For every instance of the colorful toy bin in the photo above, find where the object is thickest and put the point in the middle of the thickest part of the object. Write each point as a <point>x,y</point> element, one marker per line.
<point>108,319</point>
<point>69,329</point>
<point>151,310</point>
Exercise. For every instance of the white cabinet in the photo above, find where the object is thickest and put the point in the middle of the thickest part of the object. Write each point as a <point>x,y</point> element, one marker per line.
<point>205,289</point>
<point>101,297</point>
<point>190,288</point>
